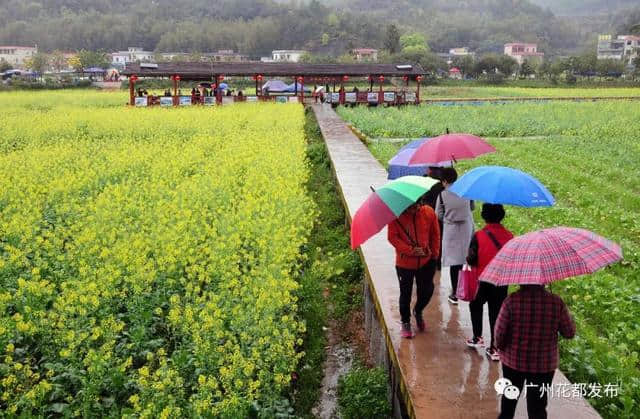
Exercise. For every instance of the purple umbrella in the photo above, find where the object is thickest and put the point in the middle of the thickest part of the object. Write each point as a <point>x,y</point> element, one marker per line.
<point>399,165</point>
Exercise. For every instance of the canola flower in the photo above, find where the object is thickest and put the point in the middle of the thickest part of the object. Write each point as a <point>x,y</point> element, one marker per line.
<point>148,257</point>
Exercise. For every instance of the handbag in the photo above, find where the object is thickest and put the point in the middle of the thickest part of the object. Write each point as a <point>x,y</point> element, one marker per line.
<point>468,283</point>
<point>468,279</point>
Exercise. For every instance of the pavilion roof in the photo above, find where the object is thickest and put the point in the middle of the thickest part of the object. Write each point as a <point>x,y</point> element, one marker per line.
<point>206,71</point>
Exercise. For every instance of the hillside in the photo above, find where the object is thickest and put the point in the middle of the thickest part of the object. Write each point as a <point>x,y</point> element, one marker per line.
<point>256,27</point>
<point>585,7</point>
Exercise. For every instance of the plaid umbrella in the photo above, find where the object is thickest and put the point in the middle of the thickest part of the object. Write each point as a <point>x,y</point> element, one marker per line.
<point>544,256</point>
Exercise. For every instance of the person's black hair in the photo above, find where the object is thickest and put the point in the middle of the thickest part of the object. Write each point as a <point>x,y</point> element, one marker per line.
<point>449,174</point>
<point>492,213</point>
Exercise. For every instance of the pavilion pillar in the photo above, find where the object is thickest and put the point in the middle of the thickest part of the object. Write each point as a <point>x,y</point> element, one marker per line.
<point>418,80</point>
<point>381,93</point>
<point>219,95</point>
<point>342,91</point>
<point>295,86</point>
<point>301,79</point>
<point>176,85</point>
<point>371,84</point>
<point>132,87</point>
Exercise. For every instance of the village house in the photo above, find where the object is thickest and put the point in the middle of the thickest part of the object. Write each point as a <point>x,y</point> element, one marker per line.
<point>523,51</point>
<point>625,48</point>
<point>285,55</point>
<point>365,54</point>
<point>132,55</point>
<point>16,55</point>
<point>225,55</point>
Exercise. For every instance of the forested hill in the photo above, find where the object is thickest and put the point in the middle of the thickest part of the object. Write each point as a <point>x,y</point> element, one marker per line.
<point>586,7</point>
<point>256,27</point>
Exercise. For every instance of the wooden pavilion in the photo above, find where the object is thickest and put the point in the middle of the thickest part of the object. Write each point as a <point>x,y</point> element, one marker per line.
<point>323,74</point>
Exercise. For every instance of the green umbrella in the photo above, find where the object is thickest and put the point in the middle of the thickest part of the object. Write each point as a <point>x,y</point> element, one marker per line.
<point>386,204</point>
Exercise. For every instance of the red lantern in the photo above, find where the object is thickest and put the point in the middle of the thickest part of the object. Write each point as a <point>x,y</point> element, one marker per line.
<point>221,77</point>
<point>419,79</point>
<point>260,77</point>
<point>133,78</point>
<point>300,79</point>
<point>405,78</point>
<point>345,78</point>
<point>370,78</point>
<point>381,79</point>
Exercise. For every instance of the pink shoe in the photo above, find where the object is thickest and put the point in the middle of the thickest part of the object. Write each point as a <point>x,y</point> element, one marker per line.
<point>407,333</point>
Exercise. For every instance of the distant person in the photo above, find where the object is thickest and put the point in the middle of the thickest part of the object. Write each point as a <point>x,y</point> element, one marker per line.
<point>229,93</point>
<point>485,245</point>
<point>240,94</point>
<point>139,91</point>
<point>355,89</point>
<point>526,336</point>
<point>415,235</point>
<point>145,93</point>
<point>457,220</point>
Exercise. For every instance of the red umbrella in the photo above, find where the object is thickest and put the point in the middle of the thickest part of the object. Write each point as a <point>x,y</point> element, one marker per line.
<point>451,147</point>
<point>544,256</point>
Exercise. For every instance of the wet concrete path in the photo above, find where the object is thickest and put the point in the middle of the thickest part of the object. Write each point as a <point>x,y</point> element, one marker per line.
<point>442,377</point>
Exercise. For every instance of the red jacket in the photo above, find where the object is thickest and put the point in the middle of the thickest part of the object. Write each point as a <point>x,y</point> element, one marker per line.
<point>483,249</point>
<point>415,228</point>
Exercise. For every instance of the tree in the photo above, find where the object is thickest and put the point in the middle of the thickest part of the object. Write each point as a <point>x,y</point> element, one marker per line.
<point>506,65</point>
<point>75,63</point>
<point>487,64</point>
<point>526,69</point>
<point>57,61</point>
<point>464,63</point>
<point>4,66</point>
<point>38,62</point>
<point>392,41</point>
<point>325,39</point>
<point>414,43</point>
<point>609,68</point>
<point>90,59</point>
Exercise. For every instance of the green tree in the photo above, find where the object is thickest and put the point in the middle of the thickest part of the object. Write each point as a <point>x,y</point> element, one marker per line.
<point>58,61</point>
<point>4,66</point>
<point>37,62</point>
<point>88,59</point>
<point>526,69</point>
<point>392,40</point>
<point>325,39</point>
<point>413,43</point>
<point>506,65</point>
<point>464,63</point>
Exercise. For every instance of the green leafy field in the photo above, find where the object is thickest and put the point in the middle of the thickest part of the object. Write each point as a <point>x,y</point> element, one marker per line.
<point>590,160</point>
<point>498,91</point>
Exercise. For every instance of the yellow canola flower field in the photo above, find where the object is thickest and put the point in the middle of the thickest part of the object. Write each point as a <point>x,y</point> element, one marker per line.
<point>148,257</point>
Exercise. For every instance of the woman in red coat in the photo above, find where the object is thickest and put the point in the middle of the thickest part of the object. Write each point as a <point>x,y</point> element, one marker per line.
<point>485,244</point>
<point>416,238</point>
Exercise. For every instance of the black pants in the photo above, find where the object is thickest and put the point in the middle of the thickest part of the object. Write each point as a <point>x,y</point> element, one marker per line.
<point>536,400</point>
<point>494,296</point>
<point>454,271</point>
<point>424,287</point>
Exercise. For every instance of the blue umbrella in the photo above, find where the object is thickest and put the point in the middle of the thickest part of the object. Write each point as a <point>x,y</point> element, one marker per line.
<point>503,185</point>
<point>399,165</point>
<point>223,86</point>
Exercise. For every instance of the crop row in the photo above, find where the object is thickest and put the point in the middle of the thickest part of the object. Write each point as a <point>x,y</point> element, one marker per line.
<point>148,259</point>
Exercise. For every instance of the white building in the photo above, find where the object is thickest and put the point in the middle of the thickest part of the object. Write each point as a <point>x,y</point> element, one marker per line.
<point>287,55</point>
<point>522,51</point>
<point>625,48</point>
<point>15,55</point>
<point>132,55</point>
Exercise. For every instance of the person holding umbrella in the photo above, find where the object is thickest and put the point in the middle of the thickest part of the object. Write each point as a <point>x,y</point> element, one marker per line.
<point>530,320</point>
<point>485,244</point>
<point>457,219</point>
<point>415,235</point>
